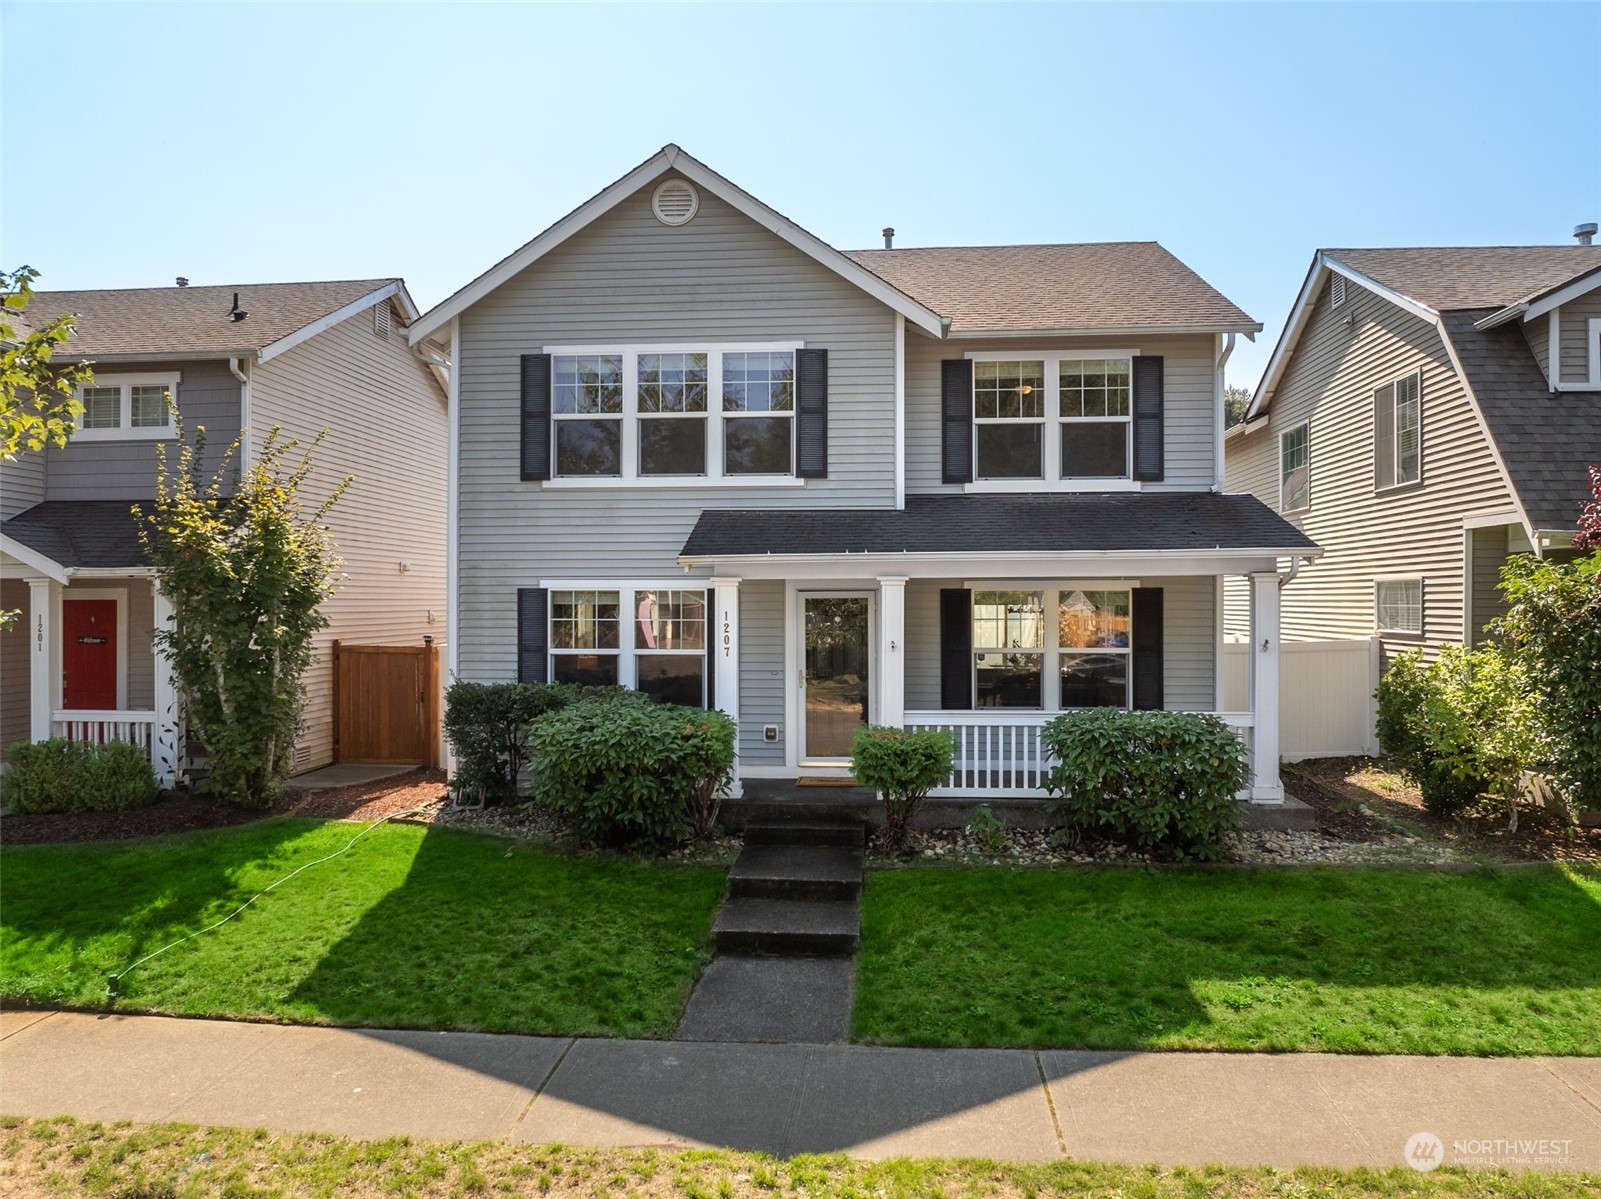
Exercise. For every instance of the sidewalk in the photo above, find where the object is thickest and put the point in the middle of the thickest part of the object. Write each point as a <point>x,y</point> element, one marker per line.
<point>1243,1109</point>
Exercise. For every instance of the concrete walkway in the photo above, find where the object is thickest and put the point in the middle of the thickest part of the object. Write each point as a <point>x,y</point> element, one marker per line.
<point>1170,1108</point>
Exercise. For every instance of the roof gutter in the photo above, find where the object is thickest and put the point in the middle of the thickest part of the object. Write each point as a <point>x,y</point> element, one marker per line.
<point>1250,330</point>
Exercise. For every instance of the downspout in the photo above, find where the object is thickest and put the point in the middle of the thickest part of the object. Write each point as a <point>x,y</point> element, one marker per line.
<point>245,456</point>
<point>1295,568</point>
<point>1217,449</point>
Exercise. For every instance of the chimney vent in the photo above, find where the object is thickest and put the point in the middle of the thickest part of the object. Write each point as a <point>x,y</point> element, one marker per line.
<point>1585,232</point>
<point>236,313</point>
<point>183,280</point>
<point>889,237</point>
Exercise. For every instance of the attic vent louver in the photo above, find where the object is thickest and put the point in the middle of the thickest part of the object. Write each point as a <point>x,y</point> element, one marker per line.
<point>675,202</point>
<point>1337,291</point>
<point>380,319</point>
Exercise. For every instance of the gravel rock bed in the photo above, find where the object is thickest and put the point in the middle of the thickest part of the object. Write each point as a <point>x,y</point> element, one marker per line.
<point>1312,848</point>
<point>533,823</point>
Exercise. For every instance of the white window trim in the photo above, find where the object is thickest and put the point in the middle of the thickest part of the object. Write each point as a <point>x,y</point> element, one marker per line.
<point>714,417</point>
<point>1378,623</point>
<point>1307,425</point>
<point>1053,651</point>
<point>1395,455</point>
<point>627,655</point>
<point>125,430</point>
<point>1595,351</point>
<point>1053,421</point>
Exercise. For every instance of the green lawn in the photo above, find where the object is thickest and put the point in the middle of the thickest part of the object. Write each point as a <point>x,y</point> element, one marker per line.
<point>64,1158</point>
<point>1366,961</point>
<point>412,928</point>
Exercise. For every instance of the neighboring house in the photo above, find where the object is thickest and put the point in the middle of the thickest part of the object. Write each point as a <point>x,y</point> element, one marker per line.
<point>240,361</point>
<point>697,451</point>
<point>1426,413</point>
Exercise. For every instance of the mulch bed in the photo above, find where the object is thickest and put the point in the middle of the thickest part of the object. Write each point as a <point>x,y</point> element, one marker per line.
<point>1340,787</point>
<point>181,813</point>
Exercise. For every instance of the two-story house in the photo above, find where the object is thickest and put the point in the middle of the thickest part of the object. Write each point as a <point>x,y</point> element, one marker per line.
<point>698,451</point>
<point>1425,413</point>
<point>240,361</point>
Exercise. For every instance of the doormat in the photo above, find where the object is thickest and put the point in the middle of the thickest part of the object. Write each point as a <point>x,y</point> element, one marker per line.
<point>815,780</point>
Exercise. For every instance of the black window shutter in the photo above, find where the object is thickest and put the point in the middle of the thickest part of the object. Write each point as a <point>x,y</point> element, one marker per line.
<point>956,420</point>
<point>711,653</point>
<point>811,414</point>
<point>536,417</point>
<point>1148,441</point>
<point>533,604</point>
<point>1146,644</point>
<point>955,648</point>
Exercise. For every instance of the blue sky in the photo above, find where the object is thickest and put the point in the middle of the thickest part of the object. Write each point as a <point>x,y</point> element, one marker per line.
<point>248,143</point>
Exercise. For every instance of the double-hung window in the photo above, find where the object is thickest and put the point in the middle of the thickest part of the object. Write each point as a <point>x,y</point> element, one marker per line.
<point>1398,606</point>
<point>1055,417</point>
<point>585,646</point>
<point>1086,648</point>
<point>127,407</point>
<point>670,646</point>
<point>1294,469</point>
<point>676,412</point>
<point>651,639</point>
<point>1398,432</point>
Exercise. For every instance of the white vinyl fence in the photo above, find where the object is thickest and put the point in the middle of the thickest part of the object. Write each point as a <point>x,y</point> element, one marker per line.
<point>1326,705</point>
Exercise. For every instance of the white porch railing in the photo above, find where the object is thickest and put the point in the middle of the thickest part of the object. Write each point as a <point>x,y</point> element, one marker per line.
<point>136,728</point>
<point>1000,755</point>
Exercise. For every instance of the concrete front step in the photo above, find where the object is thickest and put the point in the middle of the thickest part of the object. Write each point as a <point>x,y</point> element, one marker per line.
<point>796,927</point>
<point>848,833</point>
<point>796,872</point>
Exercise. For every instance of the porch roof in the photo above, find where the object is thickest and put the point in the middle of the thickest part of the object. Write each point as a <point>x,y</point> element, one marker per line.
<point>998,525</point>
<point>80,534</point>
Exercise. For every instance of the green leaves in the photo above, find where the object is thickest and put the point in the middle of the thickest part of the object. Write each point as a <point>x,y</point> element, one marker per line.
<point>903,767</point>
<point>1163,782</point>
<point>77,776</point>
<point>38,401</point>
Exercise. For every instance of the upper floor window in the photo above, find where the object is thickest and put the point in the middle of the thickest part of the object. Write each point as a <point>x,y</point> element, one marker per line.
<point>1294,469</point>
<point>1398,432</point>
<point>1086,648</point>
<point>658,412</point>
<point>1055,417</point>
<point>130,407</point>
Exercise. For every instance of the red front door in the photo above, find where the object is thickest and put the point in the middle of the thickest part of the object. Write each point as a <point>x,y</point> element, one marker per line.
<point>89,654</point>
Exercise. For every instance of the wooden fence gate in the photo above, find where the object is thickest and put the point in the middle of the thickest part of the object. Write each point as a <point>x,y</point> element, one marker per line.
<point>386,703</point>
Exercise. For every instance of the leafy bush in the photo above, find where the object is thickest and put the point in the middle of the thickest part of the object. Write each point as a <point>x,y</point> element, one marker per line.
<point>986,828</point>
<point>487,725</point>
<point>77,776</point>
<point>1461,726</point>
<point>626,770</point>
<point>903,767</point>
<point>1552,628</point>
<point>1162,782</point>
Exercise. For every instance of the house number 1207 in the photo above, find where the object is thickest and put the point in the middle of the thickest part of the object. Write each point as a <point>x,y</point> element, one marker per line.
<point>728,635</point>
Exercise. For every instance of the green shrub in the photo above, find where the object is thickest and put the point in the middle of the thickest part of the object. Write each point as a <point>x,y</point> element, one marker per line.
<point>986,828</point>
<point>624,770</point>
<point>1162,782</point>
<point>903,767</point>
<point>487,725</point>
<point>77,776</point>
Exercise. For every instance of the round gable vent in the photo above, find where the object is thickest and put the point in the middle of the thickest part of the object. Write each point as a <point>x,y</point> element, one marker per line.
<point>675,202</point>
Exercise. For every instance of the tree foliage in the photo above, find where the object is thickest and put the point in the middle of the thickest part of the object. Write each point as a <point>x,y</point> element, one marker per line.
<point>1588,538</point>
<point>1235,401</point>
<point>38,400</point>
<point>247,574</point>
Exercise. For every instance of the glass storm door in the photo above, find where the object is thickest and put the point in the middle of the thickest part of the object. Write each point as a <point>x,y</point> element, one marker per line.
<point>835,683</point>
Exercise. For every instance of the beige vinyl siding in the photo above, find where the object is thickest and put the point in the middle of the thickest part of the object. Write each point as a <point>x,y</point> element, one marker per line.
<point>1538,334</point>
<point>21,483</point>
<point>1189,642</point>
<point>1190,397</point>
<point>1489,556</point>
<point>208,395</point>
<point>1576,317</point>
<point>16,693</point>
<point>761,671</point>
<point>386,423</point>
<point>1407,532</point>
<point>628,279</point>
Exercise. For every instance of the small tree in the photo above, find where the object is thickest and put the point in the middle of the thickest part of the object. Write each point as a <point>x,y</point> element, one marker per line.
<point>247,575</point>
<point>1235,401</point>
<point>903,768</point>
<point>38,400</point>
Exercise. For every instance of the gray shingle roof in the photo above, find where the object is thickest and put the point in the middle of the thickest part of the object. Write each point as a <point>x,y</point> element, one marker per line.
<point>1454,277</point>
<point>74,533</point>
<point>194,320</point>
<point>1102,285</point>
<point>1003,524</point>
<point>1547,440</point>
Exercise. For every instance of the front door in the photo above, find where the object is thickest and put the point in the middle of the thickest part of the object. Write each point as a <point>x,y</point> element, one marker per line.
<point>835,683</point>
<point>89,655</point>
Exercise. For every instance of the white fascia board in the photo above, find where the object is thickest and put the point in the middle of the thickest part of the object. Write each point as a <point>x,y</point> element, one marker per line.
<point>671,158</point>
<point>1416,307</point>
<point>322,324</point>
<point>1511,312</point>
<point>1582,286</point>
<point>1250,330</point>
<point>33,559</point>
<point>1112,564</point>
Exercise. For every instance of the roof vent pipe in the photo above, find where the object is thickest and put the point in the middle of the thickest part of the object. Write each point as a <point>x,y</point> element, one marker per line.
<point>1585,232</point>
<point>889,237</point>
<point>183,280</point>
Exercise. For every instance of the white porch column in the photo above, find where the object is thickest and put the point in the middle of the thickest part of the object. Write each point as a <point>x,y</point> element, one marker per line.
<point>164,740</point>
<point>892,650</point>
<point>44,655</point>
<point>725,657</point>
<point>1265,787</point>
